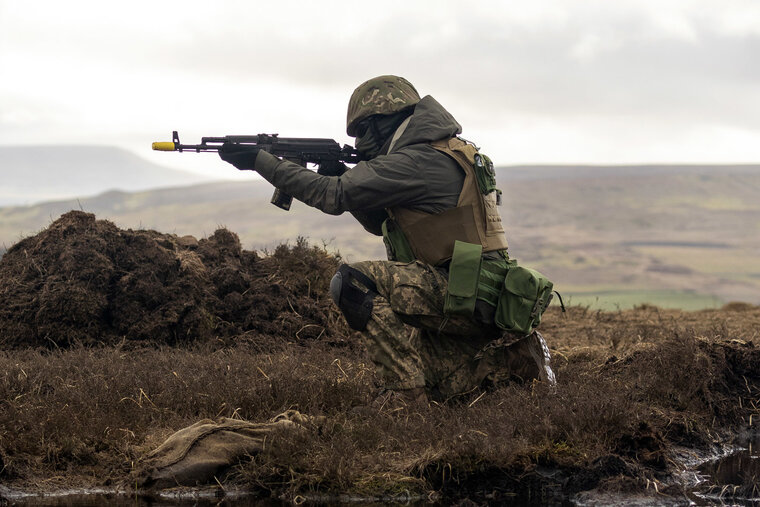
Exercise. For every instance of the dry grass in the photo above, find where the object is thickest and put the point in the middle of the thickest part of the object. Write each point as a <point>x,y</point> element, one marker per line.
<point>85,393</point>
<point>94,410</point>
<point>631,386</point>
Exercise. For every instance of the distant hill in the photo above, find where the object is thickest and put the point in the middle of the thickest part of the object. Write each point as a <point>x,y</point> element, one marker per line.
<point>682,236</point>
<point>32,174</point>
<point>574,172</point>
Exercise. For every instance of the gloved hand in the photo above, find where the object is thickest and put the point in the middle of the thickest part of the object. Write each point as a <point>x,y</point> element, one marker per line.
<point>242,156</point>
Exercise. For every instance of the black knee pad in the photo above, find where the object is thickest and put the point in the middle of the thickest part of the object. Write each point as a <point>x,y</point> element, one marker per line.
<point>354,302</point>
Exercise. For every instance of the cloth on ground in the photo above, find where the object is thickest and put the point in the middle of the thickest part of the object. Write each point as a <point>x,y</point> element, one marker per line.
<point>199,453</point>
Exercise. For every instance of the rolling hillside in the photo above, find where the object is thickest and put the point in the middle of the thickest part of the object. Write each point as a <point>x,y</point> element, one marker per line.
<point>33,174</point>
<point>682,236</point>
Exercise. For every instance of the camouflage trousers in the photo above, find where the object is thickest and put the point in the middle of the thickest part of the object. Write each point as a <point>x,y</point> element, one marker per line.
<point>413,344</point>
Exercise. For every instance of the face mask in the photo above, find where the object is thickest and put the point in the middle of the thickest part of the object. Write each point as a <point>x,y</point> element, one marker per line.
<point>367,145</point>
<point>378,130</point>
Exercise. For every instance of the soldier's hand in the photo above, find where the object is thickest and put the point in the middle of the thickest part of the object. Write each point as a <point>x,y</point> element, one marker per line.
<point>242,156</point>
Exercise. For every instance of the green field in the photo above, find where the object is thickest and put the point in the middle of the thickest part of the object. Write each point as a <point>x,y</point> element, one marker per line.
<point>623,300</point>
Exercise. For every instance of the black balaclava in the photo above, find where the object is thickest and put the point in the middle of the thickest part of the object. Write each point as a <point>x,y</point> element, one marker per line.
<point>380,128</point>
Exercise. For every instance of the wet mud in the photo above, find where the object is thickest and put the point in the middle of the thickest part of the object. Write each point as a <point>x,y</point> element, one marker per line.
<point>111,340</point>
<point>732,478</point>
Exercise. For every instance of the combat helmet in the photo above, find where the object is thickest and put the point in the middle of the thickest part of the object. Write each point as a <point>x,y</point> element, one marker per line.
<point>379,95</point>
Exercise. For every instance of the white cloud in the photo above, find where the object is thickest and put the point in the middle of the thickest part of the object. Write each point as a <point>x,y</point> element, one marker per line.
<point>559,80</point>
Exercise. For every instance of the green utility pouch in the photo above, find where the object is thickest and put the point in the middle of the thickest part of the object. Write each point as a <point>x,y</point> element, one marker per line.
<point>464,272</point>
<point>491,280</point>
<point>524,297</point>
<point>396,245</point>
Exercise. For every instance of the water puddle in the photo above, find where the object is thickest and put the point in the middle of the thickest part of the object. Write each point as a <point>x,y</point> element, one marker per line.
<point>170,498</point>
<point>181,497</point>
<point>732,479</point>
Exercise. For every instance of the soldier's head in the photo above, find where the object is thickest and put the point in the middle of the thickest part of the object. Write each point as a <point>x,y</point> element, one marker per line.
<point>375,110</point>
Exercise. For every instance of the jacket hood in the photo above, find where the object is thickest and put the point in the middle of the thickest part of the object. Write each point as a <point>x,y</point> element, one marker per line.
<point>429,122</point>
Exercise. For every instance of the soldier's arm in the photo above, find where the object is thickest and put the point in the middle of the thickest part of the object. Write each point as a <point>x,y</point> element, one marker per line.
<point>383,182</point>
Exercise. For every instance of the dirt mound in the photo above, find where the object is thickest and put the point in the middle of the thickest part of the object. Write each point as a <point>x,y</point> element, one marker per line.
<point>86,281</point>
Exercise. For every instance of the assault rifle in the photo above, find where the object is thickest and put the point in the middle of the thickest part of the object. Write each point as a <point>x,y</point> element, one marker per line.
<point>326,153</point>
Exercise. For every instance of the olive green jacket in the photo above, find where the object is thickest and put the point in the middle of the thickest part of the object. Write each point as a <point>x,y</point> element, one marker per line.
<point>412,175</point>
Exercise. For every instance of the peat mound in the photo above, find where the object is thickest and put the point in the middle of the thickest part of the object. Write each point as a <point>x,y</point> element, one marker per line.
<point>85,281</point>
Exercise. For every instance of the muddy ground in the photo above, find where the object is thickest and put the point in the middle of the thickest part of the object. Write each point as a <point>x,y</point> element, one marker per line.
<point>112,339</point>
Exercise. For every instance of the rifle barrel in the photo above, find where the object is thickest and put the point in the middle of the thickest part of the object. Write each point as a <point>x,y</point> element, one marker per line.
<point>305,149</point>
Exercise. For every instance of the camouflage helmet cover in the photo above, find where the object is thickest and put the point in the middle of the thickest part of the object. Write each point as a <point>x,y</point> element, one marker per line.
<point>379,95</point>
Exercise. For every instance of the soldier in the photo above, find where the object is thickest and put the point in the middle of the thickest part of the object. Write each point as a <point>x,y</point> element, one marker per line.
<point>427,329</point>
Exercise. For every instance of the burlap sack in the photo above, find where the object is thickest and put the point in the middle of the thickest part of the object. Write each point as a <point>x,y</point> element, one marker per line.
<point>199,453</point>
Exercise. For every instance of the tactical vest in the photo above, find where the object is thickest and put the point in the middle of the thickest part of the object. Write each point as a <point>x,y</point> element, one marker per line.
<point>475,219</point>
<point>463,234</point>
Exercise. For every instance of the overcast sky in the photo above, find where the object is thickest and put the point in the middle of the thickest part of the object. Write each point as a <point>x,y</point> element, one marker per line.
<point>566,81</point>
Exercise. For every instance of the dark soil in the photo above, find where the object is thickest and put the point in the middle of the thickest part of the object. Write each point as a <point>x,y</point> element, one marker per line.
<point>110,340</point>
<point>84,281</point>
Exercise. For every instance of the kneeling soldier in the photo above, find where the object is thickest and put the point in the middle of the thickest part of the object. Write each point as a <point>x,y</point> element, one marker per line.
<point>434,317</point>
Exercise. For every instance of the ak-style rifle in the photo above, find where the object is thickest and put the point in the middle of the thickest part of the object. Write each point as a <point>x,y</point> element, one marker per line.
<point>327,154</point>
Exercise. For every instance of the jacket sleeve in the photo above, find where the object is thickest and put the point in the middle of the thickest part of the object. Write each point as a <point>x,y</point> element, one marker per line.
<point>382,182</point>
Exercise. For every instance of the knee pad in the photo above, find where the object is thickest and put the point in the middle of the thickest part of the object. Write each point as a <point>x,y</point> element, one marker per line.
<point>354,302</point>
